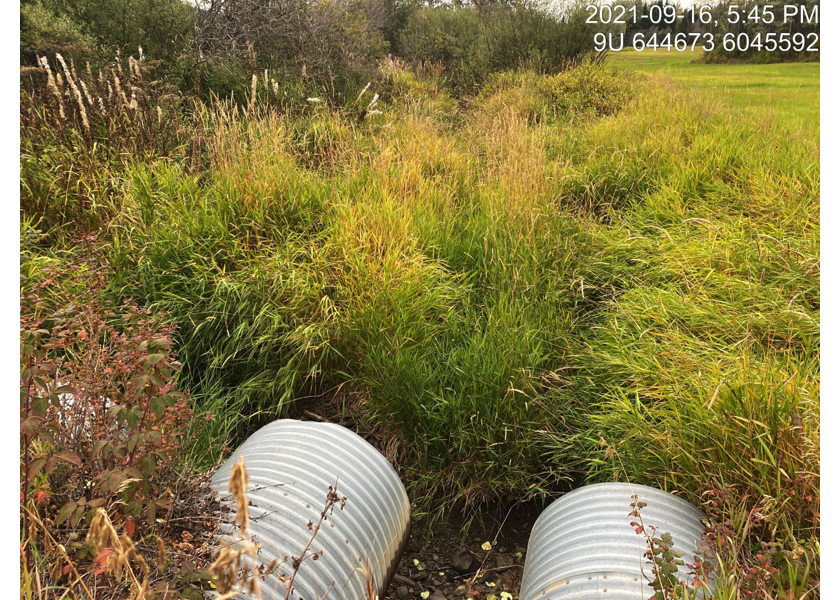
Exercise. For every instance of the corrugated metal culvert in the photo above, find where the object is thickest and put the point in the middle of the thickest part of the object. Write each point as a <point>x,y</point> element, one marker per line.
<point>583,545</point>
<point>291,465</point>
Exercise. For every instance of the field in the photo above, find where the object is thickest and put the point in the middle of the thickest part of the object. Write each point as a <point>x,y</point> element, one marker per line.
<point>598,275</point>
<point>791,91</point>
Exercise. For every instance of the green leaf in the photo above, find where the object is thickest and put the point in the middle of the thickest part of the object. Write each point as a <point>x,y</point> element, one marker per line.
<point>39,406</point>
<point>77,515</point>
<point>46,435</point>
<point>132,417</point>
<point>153,359</point>
<point>133,507</point>
<point>148,464</point>
<point>133,472</point>
<point>157,405</point>
<point>65,512</point>
<point>132,441</point>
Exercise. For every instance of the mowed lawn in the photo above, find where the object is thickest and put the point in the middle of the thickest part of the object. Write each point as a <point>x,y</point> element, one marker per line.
<point>791,91</point>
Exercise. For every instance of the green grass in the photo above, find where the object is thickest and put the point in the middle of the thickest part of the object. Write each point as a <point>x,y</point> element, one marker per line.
<point>790,91</point>
<point>588,277</point>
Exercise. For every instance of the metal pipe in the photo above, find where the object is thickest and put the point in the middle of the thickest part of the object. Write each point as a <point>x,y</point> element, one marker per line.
<point>291,465</point>
<point>583,546</point>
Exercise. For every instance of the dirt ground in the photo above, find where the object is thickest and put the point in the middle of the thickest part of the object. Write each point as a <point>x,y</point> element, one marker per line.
<point>454,566</point>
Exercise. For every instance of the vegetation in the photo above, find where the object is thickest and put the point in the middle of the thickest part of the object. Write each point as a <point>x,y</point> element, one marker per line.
<point>518,272</point>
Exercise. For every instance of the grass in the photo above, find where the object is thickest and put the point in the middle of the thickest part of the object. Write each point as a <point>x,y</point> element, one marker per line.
<point>790,91</point>
<point>519,292</point>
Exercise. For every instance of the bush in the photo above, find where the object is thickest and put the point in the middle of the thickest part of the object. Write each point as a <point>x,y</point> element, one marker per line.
<point>334,44</point>
<point>449,37</point>
<point>105,27</point>
<point>42,31</point>
<point>589,89</point>
<point>471,43</point>
<point>102,423</point>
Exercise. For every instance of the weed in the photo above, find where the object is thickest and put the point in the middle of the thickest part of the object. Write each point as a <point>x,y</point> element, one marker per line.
<point>660,554</point>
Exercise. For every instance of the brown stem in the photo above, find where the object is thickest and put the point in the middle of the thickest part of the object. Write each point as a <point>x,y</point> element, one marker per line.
<point>63,552</point>
<point>26,478</point>
<point>143,418</point>
<point>332,498</point>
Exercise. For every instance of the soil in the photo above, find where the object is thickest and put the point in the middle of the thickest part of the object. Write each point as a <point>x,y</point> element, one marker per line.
<point>429,563</point>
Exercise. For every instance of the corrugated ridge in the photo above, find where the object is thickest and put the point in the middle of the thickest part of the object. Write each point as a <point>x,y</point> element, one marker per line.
<point>290,465</point>
<point>583,542</point>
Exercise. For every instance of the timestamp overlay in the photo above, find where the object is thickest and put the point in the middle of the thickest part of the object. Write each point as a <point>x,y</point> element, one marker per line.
<point>730,28</point>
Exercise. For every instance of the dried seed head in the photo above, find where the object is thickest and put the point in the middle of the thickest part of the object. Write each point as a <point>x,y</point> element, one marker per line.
<point>120,92</point>
<point>85,91</point>
<point>161,553</point>
<point>237,487</point>
<point>51,84</point>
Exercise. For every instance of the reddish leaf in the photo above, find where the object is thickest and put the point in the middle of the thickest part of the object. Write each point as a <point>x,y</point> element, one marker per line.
<point>35,467</point>
<point>101,560</point>
<point>31,425</point>
<point>70,457</point>
<point>130,527</point>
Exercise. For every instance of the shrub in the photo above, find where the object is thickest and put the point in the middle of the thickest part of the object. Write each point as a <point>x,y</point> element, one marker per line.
<point>334,44</point>
<point>589,89</point>
<point>102,423</point>
<point>42,30</point>
<point>470,43</point>
<point>105,27</point>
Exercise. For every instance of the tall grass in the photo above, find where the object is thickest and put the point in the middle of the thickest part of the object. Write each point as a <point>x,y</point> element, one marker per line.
<point>583,277</point>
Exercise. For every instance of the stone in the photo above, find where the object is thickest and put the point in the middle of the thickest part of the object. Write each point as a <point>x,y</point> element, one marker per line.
<point>460,590</point>
<point>464,562</point>
<point>503,561</point>
<point>402,592</point>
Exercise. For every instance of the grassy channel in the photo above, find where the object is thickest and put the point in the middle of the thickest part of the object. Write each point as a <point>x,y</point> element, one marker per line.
<point>516,293</point>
